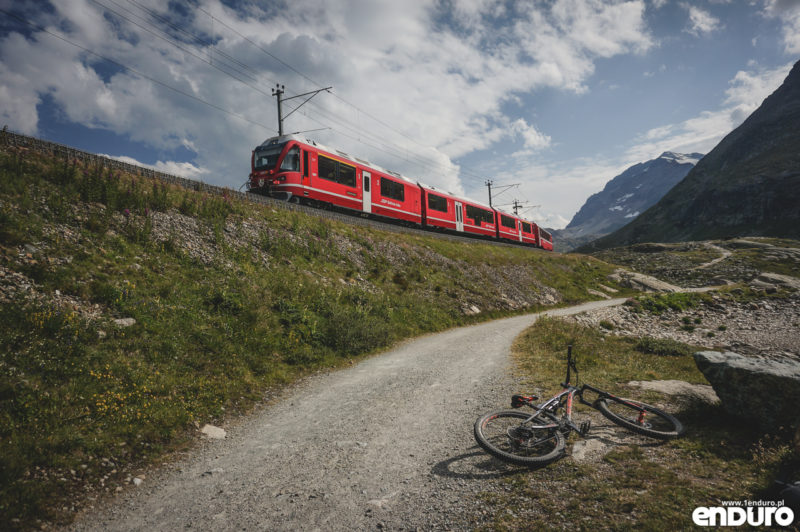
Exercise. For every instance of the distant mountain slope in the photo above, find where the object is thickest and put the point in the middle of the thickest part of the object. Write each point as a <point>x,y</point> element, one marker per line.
<point>749,184</point>
<point>624,198</point>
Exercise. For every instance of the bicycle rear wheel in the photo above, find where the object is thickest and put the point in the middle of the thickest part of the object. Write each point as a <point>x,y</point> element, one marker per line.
<point>640,418</point>
<point>507,436</point>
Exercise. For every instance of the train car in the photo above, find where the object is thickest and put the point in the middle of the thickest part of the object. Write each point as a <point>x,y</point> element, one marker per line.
<point>508,226</point>
<point>441,210</point>
<point>392,196</point>
<point>529,232</point>
<point>545,240</point>
<point>478,219</point>
<point>296,169</point>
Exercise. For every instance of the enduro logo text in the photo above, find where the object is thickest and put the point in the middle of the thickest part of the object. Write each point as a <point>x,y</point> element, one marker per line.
<point>737,513</point>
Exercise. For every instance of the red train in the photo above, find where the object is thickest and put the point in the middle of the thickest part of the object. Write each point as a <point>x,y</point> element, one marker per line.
<point>296,169</point>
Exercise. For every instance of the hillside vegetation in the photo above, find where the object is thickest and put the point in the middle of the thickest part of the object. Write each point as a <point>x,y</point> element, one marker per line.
<point>134,312</point>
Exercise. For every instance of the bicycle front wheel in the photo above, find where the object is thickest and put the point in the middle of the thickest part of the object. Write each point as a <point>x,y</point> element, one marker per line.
<point>640,418</point>
<point>507,436</point>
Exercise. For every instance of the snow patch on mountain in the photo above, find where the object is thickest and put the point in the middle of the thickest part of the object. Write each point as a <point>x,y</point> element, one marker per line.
<point>681,158</point>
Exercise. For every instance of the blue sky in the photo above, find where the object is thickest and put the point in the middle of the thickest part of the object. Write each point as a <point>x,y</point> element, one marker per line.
<point>555,97</point>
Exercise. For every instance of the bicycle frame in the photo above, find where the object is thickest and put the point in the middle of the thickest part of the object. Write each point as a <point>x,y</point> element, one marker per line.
<point>566,399</point>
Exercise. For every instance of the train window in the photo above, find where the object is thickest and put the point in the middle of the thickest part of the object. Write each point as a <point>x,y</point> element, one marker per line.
<point>480,215</point>
<point>267,156</point>
<point>526,227</point>
<point>347,175</point>
<point>342,173</point>
<point>545,235</point>
<point>305,163</point>
<point>437,203</point>
<point>291,162</point>
<point>392,189</point>
<point>327,168</point>
<point>507,221</point>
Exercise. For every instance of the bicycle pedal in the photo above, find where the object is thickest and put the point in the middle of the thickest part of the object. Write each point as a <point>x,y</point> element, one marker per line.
<point>585,427</point>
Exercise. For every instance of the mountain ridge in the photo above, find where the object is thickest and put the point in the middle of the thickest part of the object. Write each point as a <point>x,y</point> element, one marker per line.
<point>624,197</point>
<point>748,185</point>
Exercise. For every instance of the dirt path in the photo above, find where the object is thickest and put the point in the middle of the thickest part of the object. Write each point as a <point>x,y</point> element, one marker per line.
<point>385,444</point>
<point>724,254</point>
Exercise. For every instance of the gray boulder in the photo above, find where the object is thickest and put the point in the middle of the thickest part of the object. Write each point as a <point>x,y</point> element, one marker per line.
<point>761,390</point>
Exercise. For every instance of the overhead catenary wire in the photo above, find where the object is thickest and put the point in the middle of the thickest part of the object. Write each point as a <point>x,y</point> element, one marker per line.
<point>377,140</point>
<point>315,83</point>
<point>358,133</point>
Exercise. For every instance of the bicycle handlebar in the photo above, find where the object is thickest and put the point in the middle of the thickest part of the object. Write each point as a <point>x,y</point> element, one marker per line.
<point>570,366</point>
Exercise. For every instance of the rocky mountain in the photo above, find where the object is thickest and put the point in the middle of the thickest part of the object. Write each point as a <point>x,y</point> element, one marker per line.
<point>624,198</point>
<point>748,185</point>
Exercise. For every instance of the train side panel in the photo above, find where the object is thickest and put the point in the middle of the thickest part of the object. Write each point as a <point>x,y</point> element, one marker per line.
<point>478,219</point>
<point>438,208</point>
<point>508,227</point>
<point>395,197</point>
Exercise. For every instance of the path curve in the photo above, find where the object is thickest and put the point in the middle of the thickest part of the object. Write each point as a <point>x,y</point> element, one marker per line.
<point>724,254</point>
<point>386,443</point>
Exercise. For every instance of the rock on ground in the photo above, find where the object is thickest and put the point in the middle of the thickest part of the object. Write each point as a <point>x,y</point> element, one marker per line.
<point>765,391</point>
<point>683,389</point>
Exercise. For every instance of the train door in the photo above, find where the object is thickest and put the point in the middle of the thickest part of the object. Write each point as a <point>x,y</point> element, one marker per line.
<point>459,217</point>
<point>519,230</point>
<point>366,178</point>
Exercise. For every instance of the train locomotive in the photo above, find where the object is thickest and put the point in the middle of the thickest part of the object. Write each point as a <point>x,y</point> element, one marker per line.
<point>300,170</point>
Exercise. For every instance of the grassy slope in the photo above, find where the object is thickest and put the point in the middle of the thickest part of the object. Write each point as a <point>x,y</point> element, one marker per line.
<point>230,300</point>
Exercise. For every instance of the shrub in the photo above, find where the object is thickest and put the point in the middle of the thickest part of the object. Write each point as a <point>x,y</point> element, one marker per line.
<point>679,302</point>
<point>663,347</point>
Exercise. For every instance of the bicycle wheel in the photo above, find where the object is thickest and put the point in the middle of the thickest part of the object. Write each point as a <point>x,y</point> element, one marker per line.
<point>640,418</point>
<point>505,435</point>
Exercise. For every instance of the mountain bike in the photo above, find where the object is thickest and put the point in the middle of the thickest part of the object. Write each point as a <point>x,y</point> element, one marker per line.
<point>539,438</point>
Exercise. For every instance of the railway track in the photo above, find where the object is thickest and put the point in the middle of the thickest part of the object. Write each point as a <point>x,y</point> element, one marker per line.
<point>10,138</point>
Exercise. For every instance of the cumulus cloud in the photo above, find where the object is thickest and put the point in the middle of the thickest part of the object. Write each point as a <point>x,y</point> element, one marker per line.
<point>788,11</point>
<point>701,22</point>
<point>181,169</point>
<point>746,91</point>
<point>440,74</point>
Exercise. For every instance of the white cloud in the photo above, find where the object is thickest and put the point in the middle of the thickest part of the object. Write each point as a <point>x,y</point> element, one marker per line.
<point>746,91</point>
<point>701,22</point>
<point>788,11</point>
<point>532,139</point>
<point>404,62</point>
<point>181,169</point>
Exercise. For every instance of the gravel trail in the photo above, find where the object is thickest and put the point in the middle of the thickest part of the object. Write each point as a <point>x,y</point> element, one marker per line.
<point>386,444</point>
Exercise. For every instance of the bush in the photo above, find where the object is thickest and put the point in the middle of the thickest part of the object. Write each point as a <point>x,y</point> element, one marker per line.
<point>663,347</point>
<point>679,302</point>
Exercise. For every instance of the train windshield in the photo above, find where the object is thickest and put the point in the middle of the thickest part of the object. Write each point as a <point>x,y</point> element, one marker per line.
<point>267,156</point>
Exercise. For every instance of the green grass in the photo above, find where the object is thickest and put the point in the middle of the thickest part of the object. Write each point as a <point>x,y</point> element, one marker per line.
<point>633,487</point>
<point>677,301</point>
<point>85,404</point>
